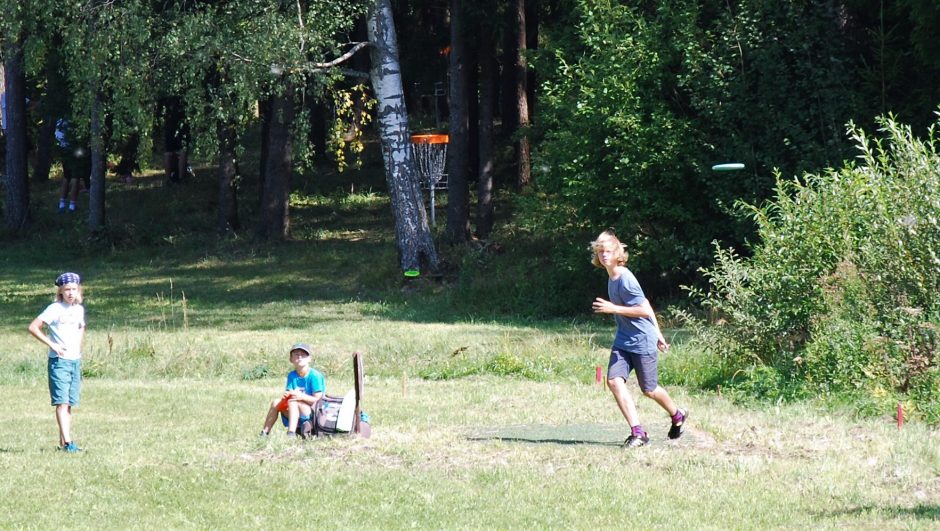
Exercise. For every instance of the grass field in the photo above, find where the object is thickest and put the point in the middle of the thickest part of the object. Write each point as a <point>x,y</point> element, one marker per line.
<point>478,421</point>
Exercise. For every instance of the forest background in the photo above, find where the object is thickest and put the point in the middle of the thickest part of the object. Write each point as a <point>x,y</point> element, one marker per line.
<point>812,271</point>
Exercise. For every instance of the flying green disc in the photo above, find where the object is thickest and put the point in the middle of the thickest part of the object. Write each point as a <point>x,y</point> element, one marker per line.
<point>731,166</point>
<point>411,273</point>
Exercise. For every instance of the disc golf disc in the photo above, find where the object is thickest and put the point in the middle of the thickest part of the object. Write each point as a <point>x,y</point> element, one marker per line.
<point>411,273</point>
<point>731,166</point>
<point>282,405</point>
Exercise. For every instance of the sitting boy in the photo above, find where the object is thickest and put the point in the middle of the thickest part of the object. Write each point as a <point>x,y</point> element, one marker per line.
<point>305,386</point>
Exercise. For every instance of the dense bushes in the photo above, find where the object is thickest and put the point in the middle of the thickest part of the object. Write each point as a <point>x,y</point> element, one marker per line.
<point>842,293</point>
<point>639,100</point>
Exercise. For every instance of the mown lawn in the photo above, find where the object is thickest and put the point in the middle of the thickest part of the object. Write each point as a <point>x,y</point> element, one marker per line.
<point>480,421</point>
<point>481,452</point>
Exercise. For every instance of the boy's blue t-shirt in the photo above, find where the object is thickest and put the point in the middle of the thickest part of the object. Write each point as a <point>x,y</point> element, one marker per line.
<point>311,384</point>
<point>634,334</point>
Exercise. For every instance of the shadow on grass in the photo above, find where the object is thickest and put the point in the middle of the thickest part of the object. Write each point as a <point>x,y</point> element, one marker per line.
<point>923,511</point>
<point>569,434</point>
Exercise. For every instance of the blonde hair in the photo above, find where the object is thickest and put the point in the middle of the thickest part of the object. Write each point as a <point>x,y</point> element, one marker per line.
<point>78,296</point>
<point>608,238</point>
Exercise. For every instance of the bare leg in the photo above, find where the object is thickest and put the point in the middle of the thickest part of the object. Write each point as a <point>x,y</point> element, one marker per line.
<point>64,191</point>
<point>293,416</point>
<point>63,416</point>
<point>625,402</point>
<point>169,164</point>
<point>73,190</point>
<point>182,161</point>
<point>271,417</point>
<point>663,399</point>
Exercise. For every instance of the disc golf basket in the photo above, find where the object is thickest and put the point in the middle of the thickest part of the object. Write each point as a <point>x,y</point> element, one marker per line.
<point>430,155</point>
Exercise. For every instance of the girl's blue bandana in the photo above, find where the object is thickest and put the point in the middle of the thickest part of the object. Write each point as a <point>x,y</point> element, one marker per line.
<point>68,278</point>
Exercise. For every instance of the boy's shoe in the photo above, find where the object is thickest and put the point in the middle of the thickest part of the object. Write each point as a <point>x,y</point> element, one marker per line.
<point>306,429</point>
<point>635,442</point>
<point>71,448</point>
<point>291,435</point>
<point>675,431</point>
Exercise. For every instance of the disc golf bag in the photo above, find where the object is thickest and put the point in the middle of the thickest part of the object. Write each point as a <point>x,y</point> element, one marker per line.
<point>326,414</point>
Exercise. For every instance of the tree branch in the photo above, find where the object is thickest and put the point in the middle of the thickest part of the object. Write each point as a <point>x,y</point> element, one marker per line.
<point>317,67</point>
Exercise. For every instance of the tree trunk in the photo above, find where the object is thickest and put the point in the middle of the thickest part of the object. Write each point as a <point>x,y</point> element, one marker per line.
<point>532,43</point>
<point>228,184</point>
<point>53,106</point>
<point>412,235</point>
<point>523,167</point>
<point>458,200</point>
<point>507,79</point>
<point>264,112</point>
<point>274,222</point>
<point>16,215</point>
<point>487,85</point>
<point>96,199</point>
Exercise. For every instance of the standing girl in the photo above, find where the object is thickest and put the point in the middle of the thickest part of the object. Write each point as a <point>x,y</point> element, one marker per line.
<point>65,320</point>
<point>637,342</point>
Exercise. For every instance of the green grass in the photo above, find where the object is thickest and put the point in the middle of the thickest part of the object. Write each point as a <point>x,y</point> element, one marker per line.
<point>483,452</point>
<point>481,419</point>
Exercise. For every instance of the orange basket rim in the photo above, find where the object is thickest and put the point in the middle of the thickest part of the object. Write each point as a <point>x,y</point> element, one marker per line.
<point>430,138</point>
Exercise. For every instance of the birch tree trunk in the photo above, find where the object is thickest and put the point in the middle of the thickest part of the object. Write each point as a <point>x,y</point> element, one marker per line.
<point>16,212</point>
<point>412,234</point>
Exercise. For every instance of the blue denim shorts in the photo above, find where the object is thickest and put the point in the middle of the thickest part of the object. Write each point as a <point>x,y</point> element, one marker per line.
<point>65,381</point>
<point>622,363</point>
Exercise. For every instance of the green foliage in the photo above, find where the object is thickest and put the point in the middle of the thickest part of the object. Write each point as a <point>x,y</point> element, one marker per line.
<point>843,289</point>
<point>640,100</point>
<point>526,273</point>
<point>225,57</point>
<point>258,372</point>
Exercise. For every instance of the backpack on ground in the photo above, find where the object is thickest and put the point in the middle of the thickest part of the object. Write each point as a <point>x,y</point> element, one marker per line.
<point>336,415</point>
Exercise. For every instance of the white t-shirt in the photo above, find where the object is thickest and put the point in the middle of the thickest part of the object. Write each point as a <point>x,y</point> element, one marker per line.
<point>66,323</point>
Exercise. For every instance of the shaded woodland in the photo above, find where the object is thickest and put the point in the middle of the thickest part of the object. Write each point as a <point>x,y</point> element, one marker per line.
<point>577,115</point>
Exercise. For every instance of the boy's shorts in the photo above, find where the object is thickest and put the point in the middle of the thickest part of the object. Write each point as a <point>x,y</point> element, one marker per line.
<point>65,381</point>
<point>301,420</point>
<point>622,362</point>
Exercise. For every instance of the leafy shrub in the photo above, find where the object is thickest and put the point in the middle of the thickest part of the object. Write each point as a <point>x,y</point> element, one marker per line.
<point>640,98</point>
<point>843,288</point>
<point>258,372</point>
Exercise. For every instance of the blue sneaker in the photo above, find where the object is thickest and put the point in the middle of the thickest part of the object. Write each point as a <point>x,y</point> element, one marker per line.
<point>71,448</point>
